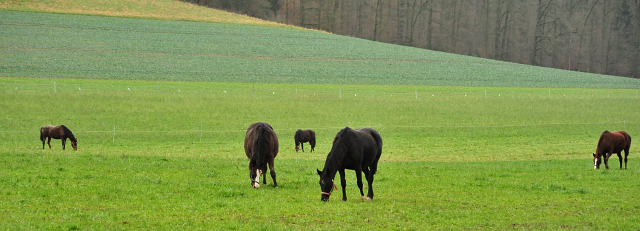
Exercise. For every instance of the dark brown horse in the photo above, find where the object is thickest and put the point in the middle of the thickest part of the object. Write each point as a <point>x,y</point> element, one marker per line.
<point>58,132</point>
<point>305,136</point>
<point>261,147</point>
<point>359,150</point>
<point>609,143</point>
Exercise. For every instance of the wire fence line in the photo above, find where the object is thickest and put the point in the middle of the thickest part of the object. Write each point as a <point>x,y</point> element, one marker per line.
<point>337,92</point>
<point>380,126</point>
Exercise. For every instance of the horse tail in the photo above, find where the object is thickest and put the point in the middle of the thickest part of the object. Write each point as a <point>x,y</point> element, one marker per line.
<point>312,135</point>
<point>42,133</point>
<point>376,136</point>
<point>261,144</point>
<point>628,138</point>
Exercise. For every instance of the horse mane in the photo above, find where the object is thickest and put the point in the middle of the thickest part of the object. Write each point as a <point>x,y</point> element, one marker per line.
<point>68,133</point>
<point>337,153</point>
<point>262,143</point>
<point>602,137</point>
<point>298,135</point>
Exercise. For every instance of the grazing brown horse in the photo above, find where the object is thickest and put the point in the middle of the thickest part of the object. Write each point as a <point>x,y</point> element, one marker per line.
<point>261,147</point>
<point>609,143</point>
<point>305,136</point>
<point>58,132</point>
<point>359,150</point>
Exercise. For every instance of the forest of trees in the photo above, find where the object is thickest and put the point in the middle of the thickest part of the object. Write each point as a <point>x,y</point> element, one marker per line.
<point>598,36</point>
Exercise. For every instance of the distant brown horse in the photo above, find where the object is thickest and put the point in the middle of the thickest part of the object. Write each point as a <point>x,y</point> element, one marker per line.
<point>609,143</point>
<point>261,147</point>
<point>58,132</point>
<point>305,136</point>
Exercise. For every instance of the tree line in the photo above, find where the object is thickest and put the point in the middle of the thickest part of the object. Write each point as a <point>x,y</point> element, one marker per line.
<point>597,36</point>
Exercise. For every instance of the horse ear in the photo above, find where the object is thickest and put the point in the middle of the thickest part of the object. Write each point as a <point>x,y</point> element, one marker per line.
<point>319,172</point>
<point>594,155</point>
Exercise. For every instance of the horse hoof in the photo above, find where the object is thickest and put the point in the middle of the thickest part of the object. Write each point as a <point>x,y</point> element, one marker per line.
<point>364,198</point>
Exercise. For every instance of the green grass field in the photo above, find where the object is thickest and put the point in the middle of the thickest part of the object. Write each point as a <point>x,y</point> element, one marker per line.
<point>160,109</point>
<point>94,47</point>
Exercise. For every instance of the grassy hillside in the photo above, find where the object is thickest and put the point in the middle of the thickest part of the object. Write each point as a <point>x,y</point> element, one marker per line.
<point>156,9</point>
<point>92,47</point>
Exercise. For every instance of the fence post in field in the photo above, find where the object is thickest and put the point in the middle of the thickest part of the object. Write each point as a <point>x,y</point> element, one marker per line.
<point>54,86</point>
<point>200,132</point>
<point>340,93</point>
<point>253,90</point>
<point>158,88</point>
<point>416,94</point>
<point>485,93</point>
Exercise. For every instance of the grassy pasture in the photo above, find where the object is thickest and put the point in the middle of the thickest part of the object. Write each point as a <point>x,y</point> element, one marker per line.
<point>453,158</point>
<point>90,47</point>
<point>160,109</point>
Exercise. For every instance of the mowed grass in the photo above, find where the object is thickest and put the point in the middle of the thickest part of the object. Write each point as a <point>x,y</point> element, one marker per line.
<point>453,158</point>
<point>80,190</point>
<point>92,47</point>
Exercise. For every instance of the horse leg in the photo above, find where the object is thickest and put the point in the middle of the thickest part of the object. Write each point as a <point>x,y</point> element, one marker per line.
<point>359,181</point>
<point>64,140</point>
<point>620,158</point>
<point>43,140</point>
<point>606,159</point>
<point>313,144</point>
<point>369,176</point>
<point>49,142</point>
<point>626,153</point>
<point>343,183</point>
<point>273,174</point>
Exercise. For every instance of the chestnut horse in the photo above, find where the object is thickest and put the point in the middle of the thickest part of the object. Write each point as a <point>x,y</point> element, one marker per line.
<point>58,132</point>
<point>359,150</point>
<point>261,147</point>
<point>609,143</point>
<point>305,136</point>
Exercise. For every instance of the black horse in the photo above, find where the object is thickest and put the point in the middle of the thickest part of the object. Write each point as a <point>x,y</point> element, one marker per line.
<point>57,132</point>
<point>358,150</point>
<point>261,147</point>
<point>305,136</point>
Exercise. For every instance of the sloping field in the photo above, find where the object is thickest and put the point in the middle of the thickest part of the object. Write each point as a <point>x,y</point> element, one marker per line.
<point>91,47</point>
<point>160,109</point>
